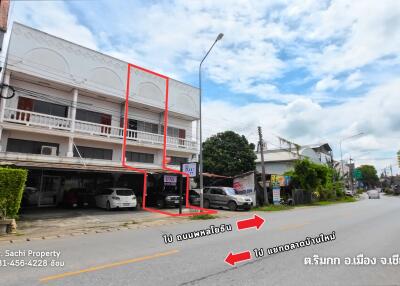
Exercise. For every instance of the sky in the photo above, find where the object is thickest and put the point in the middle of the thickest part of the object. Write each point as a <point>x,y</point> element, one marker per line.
<point>311,71</point>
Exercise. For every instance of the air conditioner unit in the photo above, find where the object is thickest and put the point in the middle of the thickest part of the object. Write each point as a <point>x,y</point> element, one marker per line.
<point>49,150</point>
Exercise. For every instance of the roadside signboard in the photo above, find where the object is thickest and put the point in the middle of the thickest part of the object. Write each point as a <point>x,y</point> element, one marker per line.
<point>190,168</point>
<point>276,194</point>
<point>357,174</point>
<point>170,180</point>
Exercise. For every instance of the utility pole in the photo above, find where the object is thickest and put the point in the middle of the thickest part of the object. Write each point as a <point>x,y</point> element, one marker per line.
<point>261,144</point>
<point>351,167</point>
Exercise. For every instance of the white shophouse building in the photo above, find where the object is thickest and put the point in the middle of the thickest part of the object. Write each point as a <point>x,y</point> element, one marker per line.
<point>69,103</point>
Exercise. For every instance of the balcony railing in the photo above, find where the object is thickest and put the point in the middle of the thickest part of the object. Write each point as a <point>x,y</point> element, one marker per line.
<point>30,118</point>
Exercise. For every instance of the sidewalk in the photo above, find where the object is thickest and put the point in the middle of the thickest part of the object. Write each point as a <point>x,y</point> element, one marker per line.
<point>55,223</point>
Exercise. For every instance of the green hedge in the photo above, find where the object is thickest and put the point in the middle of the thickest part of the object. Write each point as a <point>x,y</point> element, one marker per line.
<point>12,184</point>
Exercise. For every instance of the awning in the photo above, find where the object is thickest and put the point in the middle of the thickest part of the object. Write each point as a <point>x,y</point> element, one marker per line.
<point>74,167</point>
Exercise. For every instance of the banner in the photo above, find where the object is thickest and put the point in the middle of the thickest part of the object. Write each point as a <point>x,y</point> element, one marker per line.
<point>244,185</point>
<point>276,194</point>
<point>283,181</point>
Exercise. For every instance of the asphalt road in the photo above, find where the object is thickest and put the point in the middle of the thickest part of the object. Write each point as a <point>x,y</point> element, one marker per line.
<point>140,257</point>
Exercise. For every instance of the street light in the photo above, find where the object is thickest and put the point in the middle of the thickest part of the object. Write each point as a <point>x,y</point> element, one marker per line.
<point>219,37</point>
<point>340,143</point>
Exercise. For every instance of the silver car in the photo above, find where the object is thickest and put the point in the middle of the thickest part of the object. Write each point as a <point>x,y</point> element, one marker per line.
<point>226,197</point>
<point>373,194</point>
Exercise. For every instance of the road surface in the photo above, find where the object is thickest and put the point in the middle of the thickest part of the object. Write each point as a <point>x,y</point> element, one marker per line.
<point>140,257</point>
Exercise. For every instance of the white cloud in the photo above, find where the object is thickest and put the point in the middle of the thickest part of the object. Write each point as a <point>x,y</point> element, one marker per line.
<point>327,83</point>
<point>54,18</point>
<point>367,31</point>
<point>304,121</point>
<point>354,80</point>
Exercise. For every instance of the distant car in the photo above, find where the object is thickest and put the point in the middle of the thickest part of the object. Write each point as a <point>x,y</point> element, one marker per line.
<point>349,192</point>
<point>226,197</point>
<point>167,197</point>
<point>77,197</point>
<point>194,198</point>
<point>112,198</point>
<point>373,194</point>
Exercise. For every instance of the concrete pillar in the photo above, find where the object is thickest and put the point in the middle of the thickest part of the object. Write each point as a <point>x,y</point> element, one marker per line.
<point>70,152</point>
<point>73,108</point>
<point>4,93</point>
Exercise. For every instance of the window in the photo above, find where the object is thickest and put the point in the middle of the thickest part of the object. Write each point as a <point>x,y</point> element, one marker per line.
<point>174,132</point>
<point>123,192</point>
<point>139,157</point>
<point>217,192</point>
<point>27,146</point>
<point>93,153</point>
<point>92,116</point>
<point>43,107</point>
<point>143,126</point>
<point>178,160</point>
<point>230,191</point>
<point>107,192</point>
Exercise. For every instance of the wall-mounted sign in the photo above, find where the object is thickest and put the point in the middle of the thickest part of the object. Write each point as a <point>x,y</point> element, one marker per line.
<point>170,180</point>
<point>190,168</point>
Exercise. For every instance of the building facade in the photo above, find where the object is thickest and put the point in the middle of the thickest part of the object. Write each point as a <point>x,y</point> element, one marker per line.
<point>63,119</point>
<point>279,161</point>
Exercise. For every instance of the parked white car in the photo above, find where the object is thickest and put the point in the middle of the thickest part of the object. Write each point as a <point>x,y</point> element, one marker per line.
<point>373,194</point>
<point>349,192</point>
<point>112,198</point>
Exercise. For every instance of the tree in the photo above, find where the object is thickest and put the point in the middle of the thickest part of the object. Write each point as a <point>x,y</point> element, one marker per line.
<point>227,153</point>
<point>319,179</point>
<point>369,175</point>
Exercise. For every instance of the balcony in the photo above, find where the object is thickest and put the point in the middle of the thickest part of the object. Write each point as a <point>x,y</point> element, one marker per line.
<point>35,119</point>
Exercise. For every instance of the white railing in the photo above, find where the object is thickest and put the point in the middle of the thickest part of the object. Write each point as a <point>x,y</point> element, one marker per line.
<point>30,118</point>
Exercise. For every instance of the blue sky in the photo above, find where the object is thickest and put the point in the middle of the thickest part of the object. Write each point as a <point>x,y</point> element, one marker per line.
<point>308,70</point>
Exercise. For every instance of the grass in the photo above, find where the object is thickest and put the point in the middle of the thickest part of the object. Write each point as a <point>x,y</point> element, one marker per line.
<point>337,201</point>
<point>203,217</point>
<point>273,208</point>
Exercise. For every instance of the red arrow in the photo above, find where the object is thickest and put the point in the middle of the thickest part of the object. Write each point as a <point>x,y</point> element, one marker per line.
<point>251,222</point>
<point>231,259</point>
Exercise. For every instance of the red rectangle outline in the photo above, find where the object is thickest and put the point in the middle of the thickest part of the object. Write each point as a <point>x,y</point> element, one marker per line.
<point>164,165</point>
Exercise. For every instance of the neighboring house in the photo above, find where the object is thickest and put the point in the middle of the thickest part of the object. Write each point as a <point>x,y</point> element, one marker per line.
<point>279,161</point>
<point>65,120</point>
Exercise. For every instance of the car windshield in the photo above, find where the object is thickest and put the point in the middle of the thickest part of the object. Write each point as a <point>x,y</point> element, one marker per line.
<point>124,192</point>
<point>230,191</point>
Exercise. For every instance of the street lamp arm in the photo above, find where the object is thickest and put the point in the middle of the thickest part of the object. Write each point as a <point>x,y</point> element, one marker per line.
<point>201,63</point>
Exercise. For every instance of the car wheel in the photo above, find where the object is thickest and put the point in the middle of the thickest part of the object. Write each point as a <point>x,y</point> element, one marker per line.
<point>160,204</point>
<point>232,206</point>
<point>108,206</point>
<point>206,204</point>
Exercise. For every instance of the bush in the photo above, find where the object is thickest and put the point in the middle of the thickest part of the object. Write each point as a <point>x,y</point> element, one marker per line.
<point>12,184</point>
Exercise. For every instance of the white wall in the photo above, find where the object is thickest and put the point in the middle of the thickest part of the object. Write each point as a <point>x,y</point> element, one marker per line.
<point>276,168</point>
<point>62,141</point>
